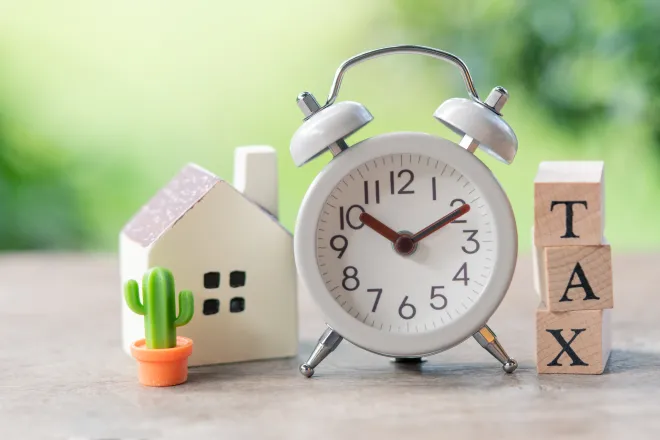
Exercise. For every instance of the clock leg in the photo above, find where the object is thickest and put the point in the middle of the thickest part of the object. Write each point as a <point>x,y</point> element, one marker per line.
<point>408,360</point>
<point>487,339</point>
<point>328,341</point>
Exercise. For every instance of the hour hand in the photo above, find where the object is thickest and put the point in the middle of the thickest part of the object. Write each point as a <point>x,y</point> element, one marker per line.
<point>379,227</point>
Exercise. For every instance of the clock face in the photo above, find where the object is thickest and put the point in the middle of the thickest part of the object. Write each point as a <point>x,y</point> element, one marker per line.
<point>380,264</point>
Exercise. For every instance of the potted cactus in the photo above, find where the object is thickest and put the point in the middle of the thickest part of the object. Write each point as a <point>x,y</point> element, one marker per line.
<point>162,356</point>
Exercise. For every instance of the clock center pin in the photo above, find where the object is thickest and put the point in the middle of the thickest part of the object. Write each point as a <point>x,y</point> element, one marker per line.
<point>404,245</point>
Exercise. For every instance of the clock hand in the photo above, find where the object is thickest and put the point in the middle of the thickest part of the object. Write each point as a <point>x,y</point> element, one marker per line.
<point>444,221</point>
<point>379,227</point>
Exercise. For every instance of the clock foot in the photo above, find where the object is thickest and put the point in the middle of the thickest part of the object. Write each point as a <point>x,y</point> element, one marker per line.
<point>487,339</point>
<point>409,360</point>
<point>328,341</point>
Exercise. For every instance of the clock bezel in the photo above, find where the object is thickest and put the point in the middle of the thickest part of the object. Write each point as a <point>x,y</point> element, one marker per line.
<point>504,226</point>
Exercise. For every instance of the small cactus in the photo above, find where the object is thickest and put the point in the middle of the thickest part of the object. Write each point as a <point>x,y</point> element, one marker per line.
<point>158,307</point>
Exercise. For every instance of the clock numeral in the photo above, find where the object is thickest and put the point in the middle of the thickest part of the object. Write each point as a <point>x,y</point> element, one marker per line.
<point>410,310</point>
<point>410,176</point>
<point>350,277</point>
<point>464,278</point>
<point>378,293</point>
<point>366,191</point>
<point>462,202</point>
<point>477,246</point>
<point>341,248</point>
<point>438,295</point>
<point>346,217</point>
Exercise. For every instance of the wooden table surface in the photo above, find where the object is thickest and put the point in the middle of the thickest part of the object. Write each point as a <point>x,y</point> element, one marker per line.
<point>64,375</point>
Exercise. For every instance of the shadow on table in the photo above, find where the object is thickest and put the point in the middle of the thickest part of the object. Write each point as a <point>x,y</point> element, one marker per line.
<point>624,361</point>
<point>625,367</point>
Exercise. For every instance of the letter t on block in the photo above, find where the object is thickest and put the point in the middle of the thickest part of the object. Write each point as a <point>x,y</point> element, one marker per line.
<point>568,204</point>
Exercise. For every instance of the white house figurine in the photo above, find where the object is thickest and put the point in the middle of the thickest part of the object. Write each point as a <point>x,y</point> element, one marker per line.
<point>226,245</point>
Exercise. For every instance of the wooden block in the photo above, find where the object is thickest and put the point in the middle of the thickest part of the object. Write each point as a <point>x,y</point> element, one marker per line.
<point>537,266</point>
<point>568,204</point>
<point>572,342</point>
<point>574,277</point>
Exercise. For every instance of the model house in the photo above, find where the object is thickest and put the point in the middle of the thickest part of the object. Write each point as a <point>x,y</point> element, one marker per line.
<point>225,244</point>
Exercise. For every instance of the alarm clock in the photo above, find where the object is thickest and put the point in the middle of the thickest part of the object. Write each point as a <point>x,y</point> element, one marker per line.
<point>406,241</point>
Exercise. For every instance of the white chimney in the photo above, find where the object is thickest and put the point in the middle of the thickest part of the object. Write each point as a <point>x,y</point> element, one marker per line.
<point>255,175</point>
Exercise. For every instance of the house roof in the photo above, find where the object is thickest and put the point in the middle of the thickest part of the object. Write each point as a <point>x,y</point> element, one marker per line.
<point>173,201</point>
<point>170,204</point>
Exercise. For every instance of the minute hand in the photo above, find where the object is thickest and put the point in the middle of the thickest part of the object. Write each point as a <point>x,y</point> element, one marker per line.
<point>444,221</point>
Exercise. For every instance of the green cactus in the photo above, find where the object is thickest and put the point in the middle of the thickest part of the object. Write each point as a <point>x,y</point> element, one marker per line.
<point>158,307</point>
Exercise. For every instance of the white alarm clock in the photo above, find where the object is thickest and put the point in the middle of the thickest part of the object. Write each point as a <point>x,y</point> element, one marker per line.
<point>406,240</point>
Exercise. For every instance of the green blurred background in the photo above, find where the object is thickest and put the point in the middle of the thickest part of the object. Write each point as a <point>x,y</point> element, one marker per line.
<point>102,102</point>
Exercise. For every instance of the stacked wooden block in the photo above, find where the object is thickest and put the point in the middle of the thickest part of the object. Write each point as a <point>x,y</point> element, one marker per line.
<point>573,269</point>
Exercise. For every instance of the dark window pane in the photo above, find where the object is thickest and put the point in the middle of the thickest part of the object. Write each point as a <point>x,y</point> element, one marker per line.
<point>237,278</point>
<point>211,307</point>
<point>237,305</point>
<point>212,280</point>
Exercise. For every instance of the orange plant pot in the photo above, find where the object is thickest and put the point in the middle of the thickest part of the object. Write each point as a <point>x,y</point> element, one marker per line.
<point>164,367</point>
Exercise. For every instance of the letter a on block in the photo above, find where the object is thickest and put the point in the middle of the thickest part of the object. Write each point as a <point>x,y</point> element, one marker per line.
<point>574,277</point>
<point>583,284</point>
<point>572,342</point>
<point>568,204</point>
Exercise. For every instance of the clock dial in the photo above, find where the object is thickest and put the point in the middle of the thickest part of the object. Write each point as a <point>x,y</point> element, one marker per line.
<point>405,243</point>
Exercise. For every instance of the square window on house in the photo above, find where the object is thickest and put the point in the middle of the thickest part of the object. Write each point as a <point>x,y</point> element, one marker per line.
<point>212,280</point>
<point>237,305</point>
<point>237,278</point>
<point>211,307</point>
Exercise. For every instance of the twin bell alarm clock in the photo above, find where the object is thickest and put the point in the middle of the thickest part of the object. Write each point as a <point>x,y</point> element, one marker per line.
<point>406,241</point>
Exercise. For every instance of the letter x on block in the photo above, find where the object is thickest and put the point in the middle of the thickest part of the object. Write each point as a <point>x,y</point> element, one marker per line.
<point>566,347</point>
<point>575,342</point>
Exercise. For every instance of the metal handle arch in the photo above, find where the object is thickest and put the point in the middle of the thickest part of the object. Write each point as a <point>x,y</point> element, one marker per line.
<point>403,49</point>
